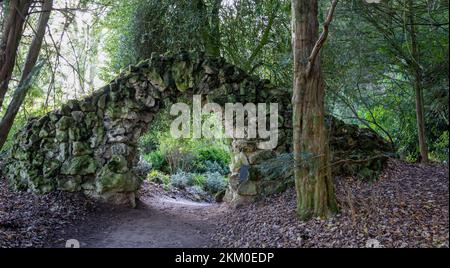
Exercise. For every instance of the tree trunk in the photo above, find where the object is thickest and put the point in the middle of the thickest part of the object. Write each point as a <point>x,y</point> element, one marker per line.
<point>18,10</point>
<point>417,74</point>
<point>313,181</point>
<point>30,62</point>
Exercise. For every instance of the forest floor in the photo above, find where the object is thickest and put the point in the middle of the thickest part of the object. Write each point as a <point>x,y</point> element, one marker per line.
<point>161,220</point>
<point>407,207</point>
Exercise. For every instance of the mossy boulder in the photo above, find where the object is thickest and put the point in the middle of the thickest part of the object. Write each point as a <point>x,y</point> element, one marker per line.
<point>80,149</point>
<point>247,188</point>
<point>109,181</point>
<point>79,165</point>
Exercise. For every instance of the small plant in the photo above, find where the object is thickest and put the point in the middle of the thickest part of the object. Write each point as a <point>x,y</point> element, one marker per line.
<point>212,167</point>
<point>214,154</point>
<point>155,159</point>
<point>181,179</point>
<point>198,180</point>
<point>215,182</point>
<point>158,177</point>
<point>179,159</point>
<point>143,167</point>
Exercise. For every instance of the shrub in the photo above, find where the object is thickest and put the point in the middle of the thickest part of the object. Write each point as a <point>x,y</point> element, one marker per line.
<point>441,151</point>
<point>158,177</point>
<point>214,154</point>
<point>215,182</point>
<point>143,167</point>
<point>155,159</point>
<point>147,143</point>
<point>181,179</point>
<point>212,167</point>
<point>179,159</point>
<point>198,180</point>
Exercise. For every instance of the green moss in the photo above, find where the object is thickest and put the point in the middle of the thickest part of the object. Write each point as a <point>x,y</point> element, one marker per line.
<point>108,180</point>
<point>182,75</point>
<point>247,188</point>
<point>50,168</point>
<point>71,184</point>
<point>80,148</point>
<point>155,78</point>
<point>64,123</point>
<point>118,164</point>
<point>79,165</point>
<point>61,135</point>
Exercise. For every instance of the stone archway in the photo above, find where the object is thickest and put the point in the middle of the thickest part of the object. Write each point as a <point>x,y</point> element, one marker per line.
<point>90,145</point>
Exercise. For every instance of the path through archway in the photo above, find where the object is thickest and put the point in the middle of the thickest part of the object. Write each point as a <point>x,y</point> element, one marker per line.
<point>90,145</point>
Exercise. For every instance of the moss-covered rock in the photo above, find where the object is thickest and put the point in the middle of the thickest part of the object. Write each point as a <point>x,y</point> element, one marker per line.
<point>109,181</point>
<point>79,165</point>
<point>90,145</point>
<point>64,123</point>
<point>248,187</point>
<point>80,148</point>
<point>70,184</point>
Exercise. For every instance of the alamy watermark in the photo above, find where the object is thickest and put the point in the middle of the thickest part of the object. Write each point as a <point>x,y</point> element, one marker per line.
<point>72,243</point>
<point>235,120</point>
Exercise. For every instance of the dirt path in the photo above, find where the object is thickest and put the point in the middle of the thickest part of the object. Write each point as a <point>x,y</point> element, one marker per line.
<point>158,221</point>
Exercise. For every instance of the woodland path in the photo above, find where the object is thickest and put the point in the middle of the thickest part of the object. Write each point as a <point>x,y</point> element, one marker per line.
<point>158,221</point>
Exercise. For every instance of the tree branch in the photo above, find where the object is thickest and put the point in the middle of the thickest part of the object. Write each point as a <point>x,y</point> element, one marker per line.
<point>322,38</point>
<point>29,70</point>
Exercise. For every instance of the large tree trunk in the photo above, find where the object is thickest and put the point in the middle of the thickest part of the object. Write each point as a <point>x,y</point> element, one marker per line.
<point>417,74</point>
<point>18,11</point>
<point>30,62</point>
<point>313,181</point>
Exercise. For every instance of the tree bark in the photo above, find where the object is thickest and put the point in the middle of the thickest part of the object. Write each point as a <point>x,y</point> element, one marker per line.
<point>313,181</point>
<point>417,74</point>
<point>18,10</point>
<point>30,62</point>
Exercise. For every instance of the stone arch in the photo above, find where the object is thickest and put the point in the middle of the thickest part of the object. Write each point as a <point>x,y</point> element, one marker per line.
<point>90,145</point>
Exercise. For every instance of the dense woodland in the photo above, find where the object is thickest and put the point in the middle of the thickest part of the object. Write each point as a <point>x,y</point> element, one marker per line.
<point>380,65</point>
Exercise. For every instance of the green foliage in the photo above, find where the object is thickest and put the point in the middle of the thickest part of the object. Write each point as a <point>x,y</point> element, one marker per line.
<point>277,168</point>
<point>139,28</point>
<point>215,182</point>
<point>212,167</point>
<point>191,162</point>
<point>180,180</point>
<point>155,159</point>
<point>214,154</point>
<point>210,182</point>
<point>178,159</point>
<point>263,46</point>
<point>371,83</point>
<point>171,155</point>
<point>441,151</point>
<point>198,180</point>
<point>158,177</point>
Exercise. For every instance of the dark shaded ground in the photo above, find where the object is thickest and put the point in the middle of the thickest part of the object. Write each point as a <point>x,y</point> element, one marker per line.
<point>407,207</point>
<point>27,220</point>
<point>160,220</point>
